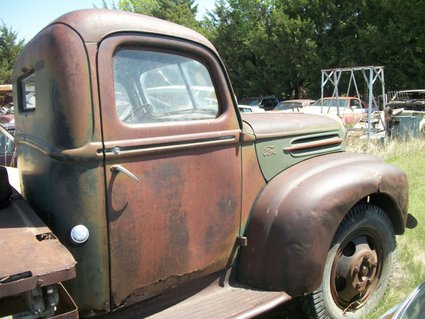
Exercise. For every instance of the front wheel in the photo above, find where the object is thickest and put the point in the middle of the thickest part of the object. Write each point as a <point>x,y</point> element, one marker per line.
<point>358,266</point>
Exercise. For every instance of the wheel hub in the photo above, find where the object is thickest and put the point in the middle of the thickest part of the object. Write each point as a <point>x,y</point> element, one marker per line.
<point>364,272</point>
<point>355,272</point>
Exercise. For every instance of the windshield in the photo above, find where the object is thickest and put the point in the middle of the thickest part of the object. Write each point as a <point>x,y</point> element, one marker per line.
<point>414,95</point>
<point>341,102</point>
<point>250,102</point>
<point>288,105</point>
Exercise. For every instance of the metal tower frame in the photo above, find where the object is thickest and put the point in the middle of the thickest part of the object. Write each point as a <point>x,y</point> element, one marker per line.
<point>370,75</point>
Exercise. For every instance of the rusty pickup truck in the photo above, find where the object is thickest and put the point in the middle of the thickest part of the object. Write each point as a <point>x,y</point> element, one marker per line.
<point>147,188</point>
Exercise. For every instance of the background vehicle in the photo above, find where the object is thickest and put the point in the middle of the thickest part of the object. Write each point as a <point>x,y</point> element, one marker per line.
<point>265,102</point>
<point>293,105</point>
<point>412,118</point>
<point>413,100</point>
<point>249,109</point>
<point>7,126</point>
<point>413,307</point>
<point>176,201</point>
<point>349,109</point>
<point>7,145</point>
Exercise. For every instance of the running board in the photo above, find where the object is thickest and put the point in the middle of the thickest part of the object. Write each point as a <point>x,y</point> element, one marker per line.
<point>225,302</point>
<point>216,296</point>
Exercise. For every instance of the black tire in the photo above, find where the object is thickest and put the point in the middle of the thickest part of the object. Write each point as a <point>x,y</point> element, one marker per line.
<point>358,266</point>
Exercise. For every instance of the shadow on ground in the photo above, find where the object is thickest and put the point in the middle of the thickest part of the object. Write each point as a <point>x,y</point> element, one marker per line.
<point>289,310</point>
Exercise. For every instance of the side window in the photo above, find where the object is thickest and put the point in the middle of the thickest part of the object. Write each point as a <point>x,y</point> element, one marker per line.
<point>355,104</point>
<point>268,103</point>
<point>152,87</point>
<point>6,144</point>
<point>27,93</point>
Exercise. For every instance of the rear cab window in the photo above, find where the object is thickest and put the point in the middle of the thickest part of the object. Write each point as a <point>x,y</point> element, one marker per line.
<point>27,93</point>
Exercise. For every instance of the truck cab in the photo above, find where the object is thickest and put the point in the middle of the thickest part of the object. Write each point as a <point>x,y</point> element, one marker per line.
<point>131,149</point>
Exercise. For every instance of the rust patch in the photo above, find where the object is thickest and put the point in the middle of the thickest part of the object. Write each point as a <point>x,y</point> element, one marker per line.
<point>39,262</point>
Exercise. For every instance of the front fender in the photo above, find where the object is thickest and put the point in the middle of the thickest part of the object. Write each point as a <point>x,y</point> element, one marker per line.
<point>294,219</point>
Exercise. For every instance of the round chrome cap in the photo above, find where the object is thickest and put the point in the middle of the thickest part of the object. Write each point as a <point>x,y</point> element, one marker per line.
<point>79,234</point>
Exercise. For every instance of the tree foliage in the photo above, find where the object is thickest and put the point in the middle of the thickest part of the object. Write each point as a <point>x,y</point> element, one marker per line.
<point>179,11</point>
<point>10,47</point>
<point>280,46</point>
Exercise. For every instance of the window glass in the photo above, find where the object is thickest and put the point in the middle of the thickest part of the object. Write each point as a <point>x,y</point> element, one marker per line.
<point>28,93</point>
<point>6,144</point>
<point>153,87</point>
<point>355,104</point>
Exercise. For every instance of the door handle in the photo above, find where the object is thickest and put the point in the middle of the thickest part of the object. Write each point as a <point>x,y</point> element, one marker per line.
<point>119,168</point>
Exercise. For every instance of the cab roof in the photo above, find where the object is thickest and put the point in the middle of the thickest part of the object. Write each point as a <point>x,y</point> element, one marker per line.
<point>95,24</point>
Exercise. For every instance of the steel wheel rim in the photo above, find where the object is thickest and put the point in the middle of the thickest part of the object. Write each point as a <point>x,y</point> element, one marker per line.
<point>356,269</point>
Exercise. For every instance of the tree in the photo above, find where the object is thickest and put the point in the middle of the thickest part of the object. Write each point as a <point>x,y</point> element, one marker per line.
<point>148,7</point>
<point>398,41</point>
<point>293,54</point>
<point>279,46</point>
<point>179,11</point>
<point>10,48</point>
<point>238,29</point>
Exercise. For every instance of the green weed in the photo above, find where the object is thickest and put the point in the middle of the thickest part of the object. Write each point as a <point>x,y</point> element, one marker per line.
<point>410,268</point>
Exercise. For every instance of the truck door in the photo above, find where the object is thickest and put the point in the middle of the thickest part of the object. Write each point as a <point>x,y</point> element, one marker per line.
<point>172,163</point>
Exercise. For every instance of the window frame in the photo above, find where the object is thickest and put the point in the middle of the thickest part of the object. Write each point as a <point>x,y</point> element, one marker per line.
<point>22,98</point>
<point>182,76</point>
<point>115,129</point>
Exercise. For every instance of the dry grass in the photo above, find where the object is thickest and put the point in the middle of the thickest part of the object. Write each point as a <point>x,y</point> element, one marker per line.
<point>410,269</point>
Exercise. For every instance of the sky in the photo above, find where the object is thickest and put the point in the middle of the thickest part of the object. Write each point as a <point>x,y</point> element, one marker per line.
<point>27,17</point>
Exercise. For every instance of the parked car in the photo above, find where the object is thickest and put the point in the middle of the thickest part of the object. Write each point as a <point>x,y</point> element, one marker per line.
<point>413,100</point>
<point>265,102</point>
<point>349,109</point>
<point>7,145</point>
<point>293,105</point>
<point>412,118</point>
<point>413,307</point>
<point>250,109</point>
<point>6,104</point>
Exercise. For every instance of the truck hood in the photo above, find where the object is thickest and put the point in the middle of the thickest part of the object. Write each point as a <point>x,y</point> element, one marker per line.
<point>284,139</point>
<point>274,124</point>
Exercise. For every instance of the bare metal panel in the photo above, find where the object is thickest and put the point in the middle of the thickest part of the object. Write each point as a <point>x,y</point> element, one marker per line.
<point>31,255</point>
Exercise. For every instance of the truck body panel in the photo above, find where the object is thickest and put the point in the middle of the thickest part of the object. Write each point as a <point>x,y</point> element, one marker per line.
<point>128,125</point>
<point>59,147</point>
<point>291,138</point>
<point>44,260</point>
<point>284,227</point>
<point>184,198</point>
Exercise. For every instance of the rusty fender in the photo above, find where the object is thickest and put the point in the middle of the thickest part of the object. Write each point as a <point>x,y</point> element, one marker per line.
<point>294,219</point>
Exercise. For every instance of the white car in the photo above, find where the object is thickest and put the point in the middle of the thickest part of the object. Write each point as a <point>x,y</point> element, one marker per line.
<point>349,109</point>
<point>293,105</point>
<point>250,109</point>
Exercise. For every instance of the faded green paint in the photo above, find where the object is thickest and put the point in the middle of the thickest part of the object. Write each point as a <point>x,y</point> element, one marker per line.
<point>60,165</point>
<point>274,159</point>
<point>285,139</point>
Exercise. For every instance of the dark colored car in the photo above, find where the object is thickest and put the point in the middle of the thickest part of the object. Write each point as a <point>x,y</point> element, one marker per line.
<point>412,118</point>
<point>413,100</point>
<point>265,102</point>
